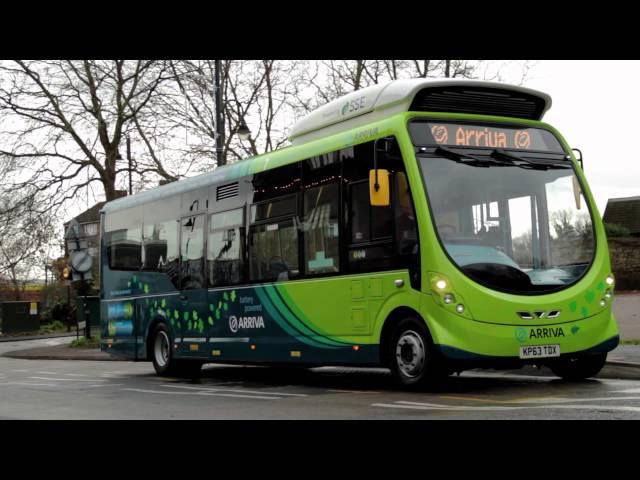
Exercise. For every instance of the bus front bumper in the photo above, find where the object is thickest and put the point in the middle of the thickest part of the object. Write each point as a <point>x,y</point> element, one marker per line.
<point>461,340</point>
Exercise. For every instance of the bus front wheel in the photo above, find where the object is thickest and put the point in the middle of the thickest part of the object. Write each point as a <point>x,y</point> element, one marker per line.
<point>579,368</point>
<point>413,359</point>
<point>163,360</point>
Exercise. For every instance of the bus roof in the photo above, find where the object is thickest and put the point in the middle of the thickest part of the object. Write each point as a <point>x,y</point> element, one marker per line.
<point>419,94</point>
<point>368,105</point>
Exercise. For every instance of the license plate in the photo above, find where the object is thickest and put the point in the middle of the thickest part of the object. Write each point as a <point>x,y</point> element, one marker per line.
<point>539,351</point>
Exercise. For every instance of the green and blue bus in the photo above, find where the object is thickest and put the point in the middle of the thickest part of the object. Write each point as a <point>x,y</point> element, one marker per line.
<point>426,226</point>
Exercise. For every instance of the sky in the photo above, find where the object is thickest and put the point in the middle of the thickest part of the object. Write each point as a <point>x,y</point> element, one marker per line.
<point>595,105</point>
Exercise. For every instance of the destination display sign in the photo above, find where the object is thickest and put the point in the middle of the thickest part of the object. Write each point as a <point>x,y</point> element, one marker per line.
<point>483,136</point>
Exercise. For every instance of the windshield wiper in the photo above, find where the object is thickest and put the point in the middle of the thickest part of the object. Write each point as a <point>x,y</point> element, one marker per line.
<point>498,157</point>
<point>512,158</point>
<point>464,157</point>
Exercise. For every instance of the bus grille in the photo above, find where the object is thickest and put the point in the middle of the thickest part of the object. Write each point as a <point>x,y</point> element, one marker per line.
<point>482,101</point>
<point>227,191</point>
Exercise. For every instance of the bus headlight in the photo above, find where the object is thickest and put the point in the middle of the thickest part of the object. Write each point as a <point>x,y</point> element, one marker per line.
<point>608,294</point>
<point>449,298</point>
<point>610,280</point>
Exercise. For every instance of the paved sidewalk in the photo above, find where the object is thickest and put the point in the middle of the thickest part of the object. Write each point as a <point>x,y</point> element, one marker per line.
<point>628,354</point>
<point>60,352</point>
<point>9,338</point>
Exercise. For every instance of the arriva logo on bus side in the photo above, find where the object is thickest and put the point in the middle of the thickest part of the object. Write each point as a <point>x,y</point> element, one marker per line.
<point>236,323</point>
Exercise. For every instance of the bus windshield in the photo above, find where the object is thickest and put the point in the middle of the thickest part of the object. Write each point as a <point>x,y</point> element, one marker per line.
<point>513,227</point>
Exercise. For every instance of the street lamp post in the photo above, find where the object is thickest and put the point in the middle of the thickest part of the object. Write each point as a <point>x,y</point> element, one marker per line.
<point>217,91</point>
<point>129,160</point>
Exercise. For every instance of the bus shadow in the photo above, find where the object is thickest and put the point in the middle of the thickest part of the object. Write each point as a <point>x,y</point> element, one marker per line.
<point>369,379</point>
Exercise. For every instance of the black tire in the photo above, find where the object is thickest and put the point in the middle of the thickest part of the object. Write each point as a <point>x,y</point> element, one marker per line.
<point>579,368</point>
<point>413,359</point>
<point>162,357</point>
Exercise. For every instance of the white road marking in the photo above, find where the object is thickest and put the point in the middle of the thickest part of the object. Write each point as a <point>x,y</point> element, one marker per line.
<point>351,391</point>
<point>162,392</point>
<point>546,400</point>
<point>208,389</point>
<point>69,379</point>
<point>30,384</point>
<point>630,390</point>
<point>47,373</point>
<point>106,385</point>
<point>499,408</point>
<point>74,374</point>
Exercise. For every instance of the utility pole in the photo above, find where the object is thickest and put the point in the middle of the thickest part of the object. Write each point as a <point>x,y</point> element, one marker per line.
<point>217,91</point>
<point>129,160</point>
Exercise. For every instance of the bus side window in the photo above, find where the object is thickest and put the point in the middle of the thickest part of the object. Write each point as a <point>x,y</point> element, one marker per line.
<point>160,252</point>
<point>273,240</point>
<point>192,253</point>
<point>405,217</point>
<point>369,229</point>
<point>224,248</point>
<point>123,239</point>
<point>320,225</point>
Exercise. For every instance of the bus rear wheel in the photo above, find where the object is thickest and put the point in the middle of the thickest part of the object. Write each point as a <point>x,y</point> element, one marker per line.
<point>579,368</point>
<point>413,359</point>
<point>163,360</point>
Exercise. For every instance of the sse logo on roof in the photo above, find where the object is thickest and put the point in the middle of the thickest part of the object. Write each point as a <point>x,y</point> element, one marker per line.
<point>353,105</point>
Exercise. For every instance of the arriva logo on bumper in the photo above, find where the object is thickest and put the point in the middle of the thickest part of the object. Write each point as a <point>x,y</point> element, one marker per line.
<point>523,334</point>
<point>236,323</point>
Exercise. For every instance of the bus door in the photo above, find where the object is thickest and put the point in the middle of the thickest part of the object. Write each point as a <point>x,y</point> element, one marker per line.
<point>193,293</point>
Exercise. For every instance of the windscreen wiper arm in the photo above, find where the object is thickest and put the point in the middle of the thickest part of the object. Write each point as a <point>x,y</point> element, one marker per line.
<point>511,158</point>
<point>461,157</point>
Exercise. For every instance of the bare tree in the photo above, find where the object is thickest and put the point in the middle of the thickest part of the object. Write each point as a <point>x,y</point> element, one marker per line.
<point>62,123</point>
<point>23,234</point>
<point>262,93</point>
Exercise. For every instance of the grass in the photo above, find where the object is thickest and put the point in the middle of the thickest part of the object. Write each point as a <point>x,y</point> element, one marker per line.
<point>630,342</point>
<point>83,342</point>
<point>93,342</point>
<point>54,327</point>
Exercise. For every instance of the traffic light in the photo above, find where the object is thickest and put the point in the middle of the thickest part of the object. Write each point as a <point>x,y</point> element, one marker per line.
<point>66,273</point>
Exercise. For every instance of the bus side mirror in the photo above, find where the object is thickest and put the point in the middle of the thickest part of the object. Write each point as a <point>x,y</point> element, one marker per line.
<point>579,158</point>
<point>379,188</point>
